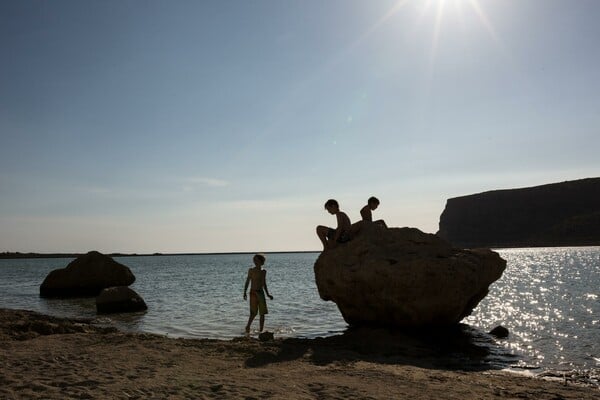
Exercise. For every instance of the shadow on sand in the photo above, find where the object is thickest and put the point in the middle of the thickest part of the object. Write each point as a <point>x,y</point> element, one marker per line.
<point>460,347</point>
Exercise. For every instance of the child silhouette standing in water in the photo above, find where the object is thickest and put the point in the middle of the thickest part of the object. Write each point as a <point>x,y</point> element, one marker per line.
<point>257,278</point>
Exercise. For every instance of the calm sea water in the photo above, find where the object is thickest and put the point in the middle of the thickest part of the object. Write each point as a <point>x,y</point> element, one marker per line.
<point>548,298</point>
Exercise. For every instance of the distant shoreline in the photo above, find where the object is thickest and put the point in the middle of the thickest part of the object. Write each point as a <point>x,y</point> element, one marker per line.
<point>18,255</point>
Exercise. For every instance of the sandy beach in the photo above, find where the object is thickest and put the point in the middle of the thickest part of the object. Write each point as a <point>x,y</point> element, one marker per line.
<point>44,357</point>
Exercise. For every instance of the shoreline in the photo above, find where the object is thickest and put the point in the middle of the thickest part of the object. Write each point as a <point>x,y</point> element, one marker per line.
<point>51,358</point>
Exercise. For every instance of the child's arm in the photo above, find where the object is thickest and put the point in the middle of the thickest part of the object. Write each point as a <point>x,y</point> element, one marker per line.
<point>246,284</point>
<point>265,285</point>
<point>338,231</point>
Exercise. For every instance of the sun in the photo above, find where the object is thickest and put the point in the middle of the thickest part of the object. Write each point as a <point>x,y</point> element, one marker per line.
<point>429,13</point>
<point>439,8</point>
<point>436,11</point>
<point>433,13</point>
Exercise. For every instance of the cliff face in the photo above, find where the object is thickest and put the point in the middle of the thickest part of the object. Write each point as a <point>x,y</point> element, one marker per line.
<point>558,214</point>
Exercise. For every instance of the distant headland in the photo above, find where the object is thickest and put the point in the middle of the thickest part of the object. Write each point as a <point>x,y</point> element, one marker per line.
<point>557,214</point>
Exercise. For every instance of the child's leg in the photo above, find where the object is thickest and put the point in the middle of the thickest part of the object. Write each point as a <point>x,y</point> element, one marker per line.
<point>262,322</point>
<point>252,315</point>
<point>253,309</point>
<point>322,234</point>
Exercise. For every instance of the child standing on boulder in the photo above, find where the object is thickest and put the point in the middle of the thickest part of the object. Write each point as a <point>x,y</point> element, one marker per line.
<point>257,278</point>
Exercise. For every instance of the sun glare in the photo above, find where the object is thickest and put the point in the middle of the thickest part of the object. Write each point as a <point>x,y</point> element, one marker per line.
<point>439,15</point>
<point>436,11</point>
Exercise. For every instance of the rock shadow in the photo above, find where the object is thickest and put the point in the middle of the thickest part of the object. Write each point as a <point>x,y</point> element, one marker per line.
<point>459,347</point>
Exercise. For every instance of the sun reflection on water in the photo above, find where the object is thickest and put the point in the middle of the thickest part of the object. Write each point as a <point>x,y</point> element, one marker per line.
<point>548,300</point>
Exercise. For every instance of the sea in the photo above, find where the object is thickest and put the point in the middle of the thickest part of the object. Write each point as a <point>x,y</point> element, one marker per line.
<point>548,298</point>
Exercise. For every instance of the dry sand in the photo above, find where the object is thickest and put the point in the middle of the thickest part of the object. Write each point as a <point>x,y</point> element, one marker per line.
<point>43,357</point>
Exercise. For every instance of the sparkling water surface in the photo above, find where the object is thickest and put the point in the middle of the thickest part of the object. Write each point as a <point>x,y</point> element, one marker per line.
<point>548,298</point>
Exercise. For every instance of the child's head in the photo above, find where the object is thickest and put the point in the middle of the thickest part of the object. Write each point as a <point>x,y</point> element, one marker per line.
<point>332,206</point>
<point>373,202</point>
<point>258,259</point>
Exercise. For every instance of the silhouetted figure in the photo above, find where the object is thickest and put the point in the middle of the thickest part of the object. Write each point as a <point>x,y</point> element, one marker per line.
<point>257,278</point>
<point>331,237</point>
<point>366,211</point>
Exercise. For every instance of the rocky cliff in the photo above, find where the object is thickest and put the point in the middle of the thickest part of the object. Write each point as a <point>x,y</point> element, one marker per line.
<point>558,214</point>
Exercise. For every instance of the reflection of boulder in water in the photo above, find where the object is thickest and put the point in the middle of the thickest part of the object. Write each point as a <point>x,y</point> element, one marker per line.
<point>86,276</point>
<point>404,277</point>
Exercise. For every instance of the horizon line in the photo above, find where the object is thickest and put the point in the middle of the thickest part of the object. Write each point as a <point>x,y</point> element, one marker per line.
<point>18,254</point>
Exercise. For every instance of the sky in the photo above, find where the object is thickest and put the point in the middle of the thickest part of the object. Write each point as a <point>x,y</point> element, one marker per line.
<point>218,126</point>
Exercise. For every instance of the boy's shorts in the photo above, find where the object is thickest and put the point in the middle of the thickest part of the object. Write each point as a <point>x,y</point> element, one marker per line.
<point>342,239</point>
<point>258,303</point>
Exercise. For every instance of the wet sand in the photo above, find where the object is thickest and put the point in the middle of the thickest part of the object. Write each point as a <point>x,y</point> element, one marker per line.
<point>43,357</point>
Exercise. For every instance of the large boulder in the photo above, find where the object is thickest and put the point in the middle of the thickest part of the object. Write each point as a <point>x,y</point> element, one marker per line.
<point>86,276</point>
<point>118,300</point>
<point>405,278</point>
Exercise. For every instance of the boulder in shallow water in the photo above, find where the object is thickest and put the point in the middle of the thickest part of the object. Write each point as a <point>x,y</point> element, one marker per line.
<point>119,300</point>
<point>86,276</point>
<point>403,277</point>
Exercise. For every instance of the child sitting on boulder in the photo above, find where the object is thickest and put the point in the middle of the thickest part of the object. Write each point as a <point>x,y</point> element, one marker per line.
<point>366,213</point>
<point>332,237</point>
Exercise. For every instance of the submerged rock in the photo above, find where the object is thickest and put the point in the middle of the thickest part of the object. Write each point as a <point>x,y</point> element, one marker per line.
<point>86,276</point>
<point>500,332</point>
<point>404,277</point>
<point>118,300</point>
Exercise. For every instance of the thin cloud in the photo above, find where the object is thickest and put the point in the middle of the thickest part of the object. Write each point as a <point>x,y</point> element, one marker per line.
<point>98,190</point>
<point>213,182</point>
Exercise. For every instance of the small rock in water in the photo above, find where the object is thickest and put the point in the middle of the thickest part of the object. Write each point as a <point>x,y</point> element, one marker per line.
<point>265,336</point>
<point>500,332</point>
<point>119,299</point>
